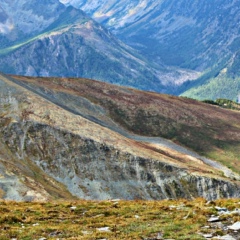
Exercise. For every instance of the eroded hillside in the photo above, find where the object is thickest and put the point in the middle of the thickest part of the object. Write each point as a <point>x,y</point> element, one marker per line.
<point>209,130</point>
<point>79,134</point>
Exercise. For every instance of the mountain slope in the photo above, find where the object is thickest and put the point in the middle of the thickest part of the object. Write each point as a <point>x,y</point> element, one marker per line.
<point>192,34</point>
<point>24,19</point>
<point>222,81</point>
<point>63,41</point>
<point>77,141</point>
<point>208,130</point>
<point>31,19</point>
<point>199,35</point>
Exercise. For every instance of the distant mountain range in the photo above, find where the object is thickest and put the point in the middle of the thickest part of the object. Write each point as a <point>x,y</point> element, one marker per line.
<point>55,40</point>
<point>193,35</point>
<point>197,35</point>
<point>167,44</point>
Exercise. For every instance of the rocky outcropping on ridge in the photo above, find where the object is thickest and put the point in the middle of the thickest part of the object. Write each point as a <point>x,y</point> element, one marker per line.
<point>83,159</point>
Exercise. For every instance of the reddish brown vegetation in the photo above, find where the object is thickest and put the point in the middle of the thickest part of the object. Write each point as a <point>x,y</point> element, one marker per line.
<point>207,129</point>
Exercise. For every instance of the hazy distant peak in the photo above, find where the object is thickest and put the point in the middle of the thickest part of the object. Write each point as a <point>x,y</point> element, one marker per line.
<point>6,24</point>
<point>114,13</point>
<point>28,16</point>
<point>3,16</point>
<point>65,1</point>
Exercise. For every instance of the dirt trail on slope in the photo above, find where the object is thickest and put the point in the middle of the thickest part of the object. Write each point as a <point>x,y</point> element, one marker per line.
<point>171,145</point>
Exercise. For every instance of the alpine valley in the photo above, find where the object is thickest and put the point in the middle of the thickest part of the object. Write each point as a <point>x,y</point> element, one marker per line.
<point>195,35</point>
<point>175,47</point>
<point>55,40</point>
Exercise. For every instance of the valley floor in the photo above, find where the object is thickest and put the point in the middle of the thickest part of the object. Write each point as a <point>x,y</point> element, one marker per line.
<point>117,219</point>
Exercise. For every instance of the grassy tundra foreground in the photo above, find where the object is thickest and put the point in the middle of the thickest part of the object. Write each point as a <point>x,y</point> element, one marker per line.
<point>117,219</point>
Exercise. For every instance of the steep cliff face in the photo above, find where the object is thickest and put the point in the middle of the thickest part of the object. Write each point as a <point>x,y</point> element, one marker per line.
<point>92,161</point>
<point>20,178</point>
<point>93,170</point>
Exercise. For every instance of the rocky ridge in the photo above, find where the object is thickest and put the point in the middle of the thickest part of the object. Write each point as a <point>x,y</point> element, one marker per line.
<point>92,161</point>
<point>148,117</point>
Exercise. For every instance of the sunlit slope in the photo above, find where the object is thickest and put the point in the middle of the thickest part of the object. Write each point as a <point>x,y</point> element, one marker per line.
<point>63,130</point>
<point>209,130</point>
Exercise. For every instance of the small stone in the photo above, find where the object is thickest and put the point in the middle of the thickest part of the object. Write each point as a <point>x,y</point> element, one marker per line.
<point>53,234</point>
<point>219,225</point>
<point>207,235</point>
<point>99,215</point>
<point>172,206</point>
<point>115,200</point>
<point>73,208</point>
<point>220,209</point>
<point>213,219</point>
<point>225,237</point>
<point>236,211</point>
<point>43,238</point>
<point>136,216</point>
<point>86,232</point>
<point>104,229</point>
<point>235,226</point>
<point>159,236</point>
<point>206,227</point>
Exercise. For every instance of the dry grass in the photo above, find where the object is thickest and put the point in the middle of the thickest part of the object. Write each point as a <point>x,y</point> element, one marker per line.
<point>66,120</point>
<point>180,219</point>
<point>209,130</point>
